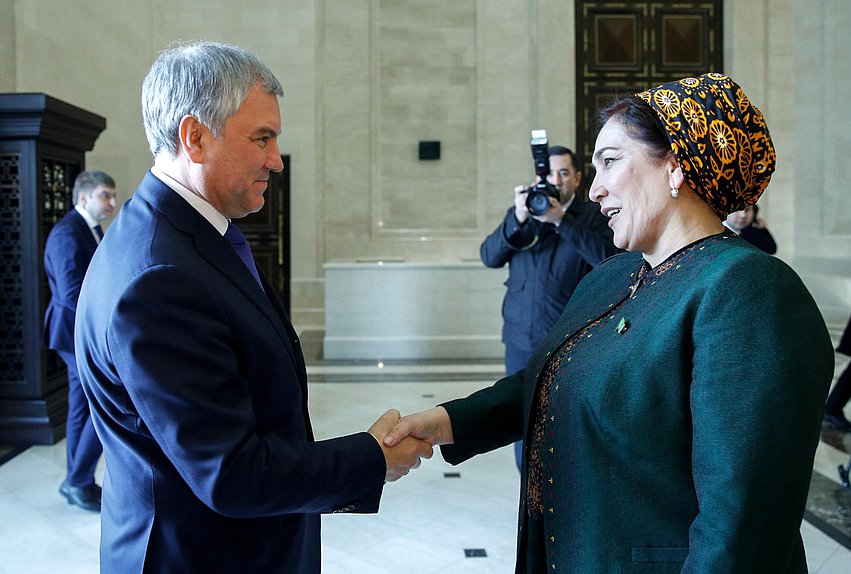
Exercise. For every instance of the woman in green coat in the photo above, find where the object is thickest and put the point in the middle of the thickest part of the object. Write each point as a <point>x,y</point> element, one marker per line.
<point>672,414</point>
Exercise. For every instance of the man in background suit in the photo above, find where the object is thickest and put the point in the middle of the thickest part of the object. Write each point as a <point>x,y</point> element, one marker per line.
<point>195,375</point>
<point>67,253</point>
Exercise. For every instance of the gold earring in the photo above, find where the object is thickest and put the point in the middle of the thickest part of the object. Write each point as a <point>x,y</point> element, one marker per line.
<point>675,193</point>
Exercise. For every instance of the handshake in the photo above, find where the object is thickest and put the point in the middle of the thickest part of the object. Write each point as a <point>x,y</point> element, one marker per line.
<point>406,440</point>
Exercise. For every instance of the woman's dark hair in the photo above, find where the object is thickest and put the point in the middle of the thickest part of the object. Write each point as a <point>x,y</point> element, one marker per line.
<point>640,121</point>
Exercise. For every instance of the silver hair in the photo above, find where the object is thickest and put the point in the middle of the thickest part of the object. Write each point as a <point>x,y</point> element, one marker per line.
<point>208,80</point>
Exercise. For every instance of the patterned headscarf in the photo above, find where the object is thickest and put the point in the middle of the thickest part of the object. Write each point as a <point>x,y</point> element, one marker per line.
<point>719,138</point>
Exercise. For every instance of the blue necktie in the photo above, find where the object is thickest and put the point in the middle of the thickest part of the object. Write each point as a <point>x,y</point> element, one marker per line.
<point>99,230</point>
<point>240,245</point>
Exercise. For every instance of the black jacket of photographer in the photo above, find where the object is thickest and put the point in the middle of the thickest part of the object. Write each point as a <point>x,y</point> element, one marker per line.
<point>545,264</point>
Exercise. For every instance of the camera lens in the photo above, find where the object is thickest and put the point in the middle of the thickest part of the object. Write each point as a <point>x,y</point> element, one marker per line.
<point>537,202</point>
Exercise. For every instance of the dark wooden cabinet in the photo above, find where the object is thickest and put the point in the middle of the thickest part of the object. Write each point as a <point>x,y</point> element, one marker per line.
<point>43,142</point>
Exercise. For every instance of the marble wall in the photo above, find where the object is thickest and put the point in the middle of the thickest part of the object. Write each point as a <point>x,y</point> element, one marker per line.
<point>7,46</point>
<point>366,80</point>
<point>386,310</point>
<point>821,76</point>
<point>466,73</point>
<point>792,59</point>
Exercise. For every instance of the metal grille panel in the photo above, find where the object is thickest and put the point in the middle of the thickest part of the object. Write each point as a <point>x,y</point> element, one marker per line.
<point>11,287</point>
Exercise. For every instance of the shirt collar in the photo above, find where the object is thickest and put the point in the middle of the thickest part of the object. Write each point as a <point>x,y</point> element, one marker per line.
<point>90,221</point>
<point>201,205</point>
<point>736,231</point>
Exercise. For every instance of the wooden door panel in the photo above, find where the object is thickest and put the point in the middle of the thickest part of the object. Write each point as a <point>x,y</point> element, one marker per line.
<point>625,47</point>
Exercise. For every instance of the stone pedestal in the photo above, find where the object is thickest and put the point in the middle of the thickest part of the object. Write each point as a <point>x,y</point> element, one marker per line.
<point>384,310</point>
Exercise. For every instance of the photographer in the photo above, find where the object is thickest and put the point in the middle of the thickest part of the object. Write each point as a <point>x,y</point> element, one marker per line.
<point>547,256</point>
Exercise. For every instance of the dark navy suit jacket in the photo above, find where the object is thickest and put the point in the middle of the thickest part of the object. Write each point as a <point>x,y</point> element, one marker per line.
<point>545,264</point>
<point>67,254</point>
<point>759,237</point>
<point>199,394</point>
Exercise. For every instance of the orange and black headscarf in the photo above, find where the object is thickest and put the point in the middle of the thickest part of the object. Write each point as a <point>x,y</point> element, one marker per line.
<point>719,138</point>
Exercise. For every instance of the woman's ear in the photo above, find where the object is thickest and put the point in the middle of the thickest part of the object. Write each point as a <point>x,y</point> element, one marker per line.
<point>191,131</point>
<point>675,174</point>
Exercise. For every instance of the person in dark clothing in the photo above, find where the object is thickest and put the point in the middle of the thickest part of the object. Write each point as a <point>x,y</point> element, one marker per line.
<point>752,229</point>
<point>841,392</point>
<point>68,251</point>
<point>547,256</point>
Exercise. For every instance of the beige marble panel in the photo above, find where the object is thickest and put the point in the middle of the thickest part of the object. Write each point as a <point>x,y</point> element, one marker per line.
<point>554,44</point>
<point>424,88</point>
<point>507,96</point>
<point>778,106</point>
<point>837,125</point>
<point>746,60</point>
<point>307,311</point>
<point>397,73</point>
<point>7,46</point>
<point>822,207</point>
<point>344,140</point>
<point>791,58</point>
<point>402,311</point>
<point>93,54</point>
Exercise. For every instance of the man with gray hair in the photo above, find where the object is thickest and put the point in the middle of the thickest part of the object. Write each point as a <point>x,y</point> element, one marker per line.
<point>194,372</point>
<point>67,254</point>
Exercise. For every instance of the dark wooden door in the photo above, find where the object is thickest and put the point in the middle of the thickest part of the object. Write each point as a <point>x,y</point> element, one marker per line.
<point>626,47</point>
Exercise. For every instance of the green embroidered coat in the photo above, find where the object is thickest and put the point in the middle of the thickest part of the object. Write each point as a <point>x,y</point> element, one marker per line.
<point>680,436</point>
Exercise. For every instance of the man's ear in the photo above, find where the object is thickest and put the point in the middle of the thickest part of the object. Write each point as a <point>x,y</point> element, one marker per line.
<point>191,131</point>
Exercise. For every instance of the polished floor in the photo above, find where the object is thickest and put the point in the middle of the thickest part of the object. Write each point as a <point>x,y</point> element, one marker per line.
<point>439,519</point>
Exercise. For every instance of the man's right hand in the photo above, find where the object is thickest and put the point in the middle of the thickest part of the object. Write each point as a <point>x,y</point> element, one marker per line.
<point>433,426</point>
<point>405,454</point>
<point>521,212</point>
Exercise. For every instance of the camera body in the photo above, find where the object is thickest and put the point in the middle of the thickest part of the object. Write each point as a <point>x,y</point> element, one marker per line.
<point>538,196</point>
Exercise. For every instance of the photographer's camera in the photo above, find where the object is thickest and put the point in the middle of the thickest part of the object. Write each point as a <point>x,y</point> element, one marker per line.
<point>538,198</point>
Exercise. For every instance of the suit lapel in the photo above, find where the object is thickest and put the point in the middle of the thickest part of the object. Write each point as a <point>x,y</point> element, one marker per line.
<point>84,230</point>
<point>298,356</point>
<point>216,250</point>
